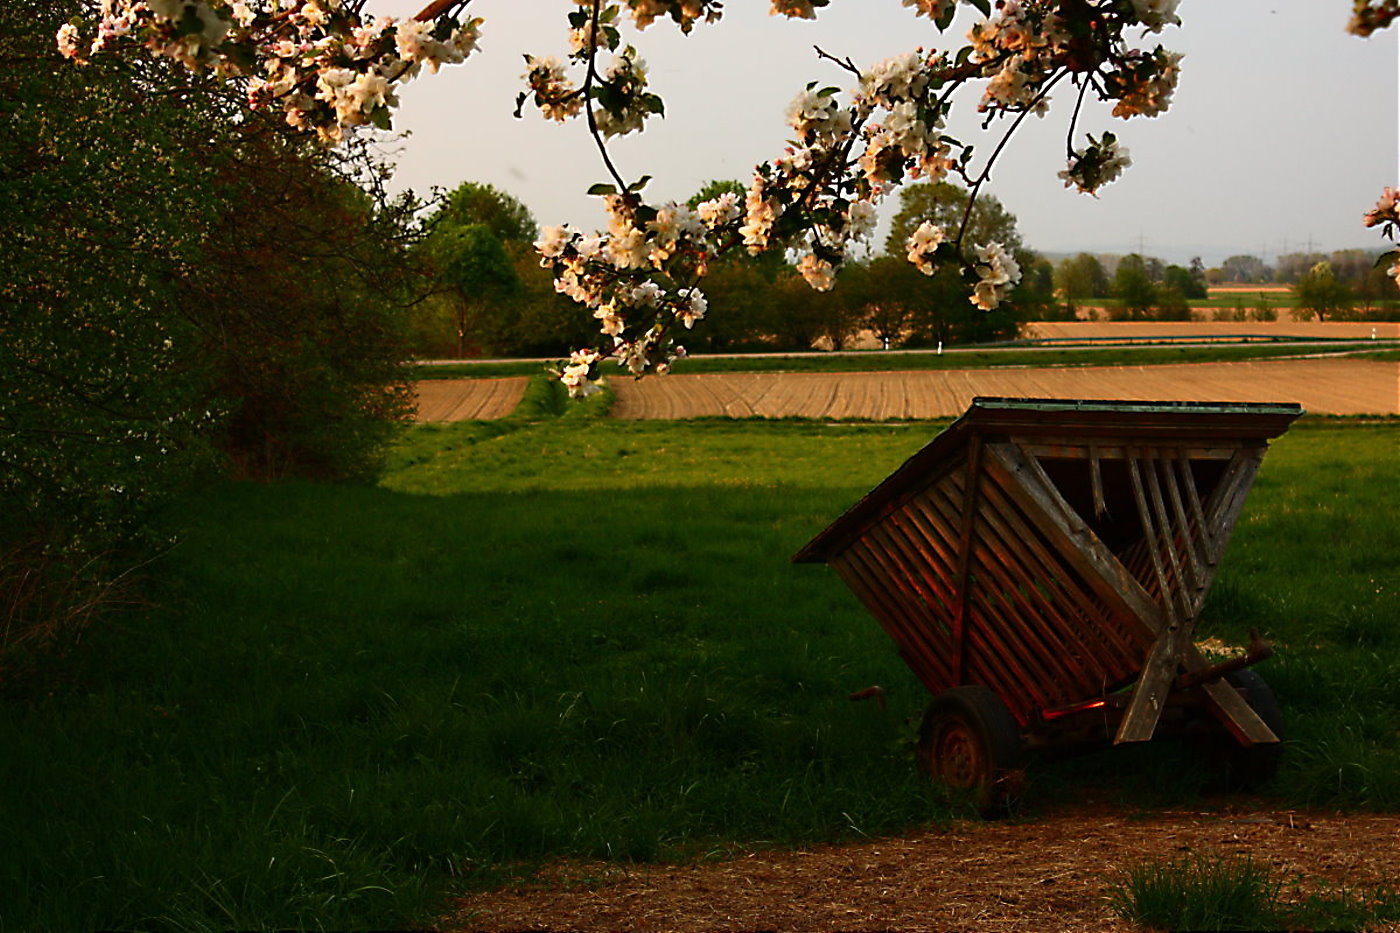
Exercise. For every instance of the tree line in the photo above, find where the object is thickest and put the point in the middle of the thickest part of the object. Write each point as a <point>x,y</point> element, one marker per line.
<point>1328,286</point>
<point>185,293</point>
<point>494,299</point>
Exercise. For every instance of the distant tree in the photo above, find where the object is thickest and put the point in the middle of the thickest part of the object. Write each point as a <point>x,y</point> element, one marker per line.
<point>944,203</point>
<point>506,217</point>
<point>1293,266</point>
<point>888,313</point>
<point>471,266</point>
<point>1080,278</point>
<point>1134,289</point>
<point>1321,293</point>
<point>1171,305</point>
<point>1245,269</point>
<point>1186,284</point>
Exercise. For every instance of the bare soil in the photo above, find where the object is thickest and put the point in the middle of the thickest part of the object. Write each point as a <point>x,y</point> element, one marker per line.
<point>1050,873</point>
<point>468,399</point>
<point>1321,386</point>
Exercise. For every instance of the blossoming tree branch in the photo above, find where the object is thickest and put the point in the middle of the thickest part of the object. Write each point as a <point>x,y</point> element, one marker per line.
<point>327,66</point>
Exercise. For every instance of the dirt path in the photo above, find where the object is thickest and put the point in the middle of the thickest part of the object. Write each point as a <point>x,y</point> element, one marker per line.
<point>1043,875</point>
<point>1321,386</point>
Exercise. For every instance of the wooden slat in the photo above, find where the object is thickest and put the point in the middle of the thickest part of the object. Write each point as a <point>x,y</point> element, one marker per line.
<point>1024,481</point>
<point>1159,670</point>
<point>1092,621</point>
<point>1168,538</point>
<point>967,524</point>
<point>1189,535</point>
<point>1028,625</point>
<point>891,540</point>
<point>1062,627</point>
<point>1193,498</point>
<point>913,639</point>
<point>1225,703</point>
<point>1027,661</point>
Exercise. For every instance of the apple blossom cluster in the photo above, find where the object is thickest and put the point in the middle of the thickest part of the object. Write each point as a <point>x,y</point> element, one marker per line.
<point>1370,15</point>
<point>327,66</point>
<point>997,273</point>
<point>1386,215</point>
<point>319,61</point>
<point>1096,165</point>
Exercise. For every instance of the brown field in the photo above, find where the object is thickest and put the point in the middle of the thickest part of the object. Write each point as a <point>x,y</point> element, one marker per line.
<point>468,399</point>
<point>1321,386</point>
<point>1141,330</point>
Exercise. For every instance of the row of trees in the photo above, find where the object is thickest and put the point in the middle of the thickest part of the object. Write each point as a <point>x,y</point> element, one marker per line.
<point>493,298</point>
<point>183,293</point>
<point>1143,286</point>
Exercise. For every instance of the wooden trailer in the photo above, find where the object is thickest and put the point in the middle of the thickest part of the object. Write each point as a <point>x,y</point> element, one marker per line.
<point>1040,566</point>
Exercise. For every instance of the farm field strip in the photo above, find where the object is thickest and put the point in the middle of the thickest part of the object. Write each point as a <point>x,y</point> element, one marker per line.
<point>468,399</point>
<point>1322,386</point>
<point>1138,330</point>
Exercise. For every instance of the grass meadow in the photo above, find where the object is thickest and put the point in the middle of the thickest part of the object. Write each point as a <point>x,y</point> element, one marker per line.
<point>566,635</point>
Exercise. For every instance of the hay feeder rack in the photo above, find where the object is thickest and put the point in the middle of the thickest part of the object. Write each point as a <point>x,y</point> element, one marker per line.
<point>1040,566</point>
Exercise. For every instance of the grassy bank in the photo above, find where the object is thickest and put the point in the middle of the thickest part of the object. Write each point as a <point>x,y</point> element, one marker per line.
<point>564,635</point>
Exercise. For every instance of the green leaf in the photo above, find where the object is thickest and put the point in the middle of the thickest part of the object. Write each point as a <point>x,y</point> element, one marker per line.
<point>983,5</point>
<point>602,188</point>
<point>639,184</point>
<point>382,119</point>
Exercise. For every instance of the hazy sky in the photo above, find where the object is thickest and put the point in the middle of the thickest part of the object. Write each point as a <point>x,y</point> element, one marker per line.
<point>1282,133</point>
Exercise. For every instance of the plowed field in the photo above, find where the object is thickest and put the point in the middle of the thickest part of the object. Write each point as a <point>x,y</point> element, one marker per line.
<point>1322,386</point>
<point>468,399</point>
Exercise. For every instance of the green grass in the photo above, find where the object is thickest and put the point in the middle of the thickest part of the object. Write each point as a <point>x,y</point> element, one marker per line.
<point>876,360</point>
<point>563,635</point>
<point>1201,892</point>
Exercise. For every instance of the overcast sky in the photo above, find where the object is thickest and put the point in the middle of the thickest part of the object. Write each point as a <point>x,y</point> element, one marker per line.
<point>1282,134</point>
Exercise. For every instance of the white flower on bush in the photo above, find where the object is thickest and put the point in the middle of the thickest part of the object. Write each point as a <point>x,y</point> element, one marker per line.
<point>612,323</point>
<point>719,211</point>
<point>1385,210</point>
<point>1154,14</point>
<point>922,244</point>
<point>693,309</point>
<point>646,295</point>
<point>554,93</point>
<point>933,9</point>
<point>997,274</point>
<point>817,271</point>
<point>799,9</point>
<point>1094,166</point>
<point>553,240</point>
<point>760,213</point>
<point>861,218</point>
<point>817,116</point>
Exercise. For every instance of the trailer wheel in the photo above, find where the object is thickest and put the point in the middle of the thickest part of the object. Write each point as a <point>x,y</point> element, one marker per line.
<point>1247,767</point>
<point>970,742</point>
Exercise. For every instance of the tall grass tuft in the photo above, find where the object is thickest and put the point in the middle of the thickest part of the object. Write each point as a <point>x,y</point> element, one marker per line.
<point>1198,893</point>
<point>1205,892</point>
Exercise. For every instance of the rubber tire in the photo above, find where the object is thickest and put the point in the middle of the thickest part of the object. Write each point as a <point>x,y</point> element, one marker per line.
<point>970,743</point>
<point>1249,767</point>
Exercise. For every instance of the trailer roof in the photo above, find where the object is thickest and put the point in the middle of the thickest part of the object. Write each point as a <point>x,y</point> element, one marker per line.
<point>1067,419</point>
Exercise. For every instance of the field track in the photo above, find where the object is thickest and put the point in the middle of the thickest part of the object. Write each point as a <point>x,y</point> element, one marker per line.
<point>1322,386</point>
